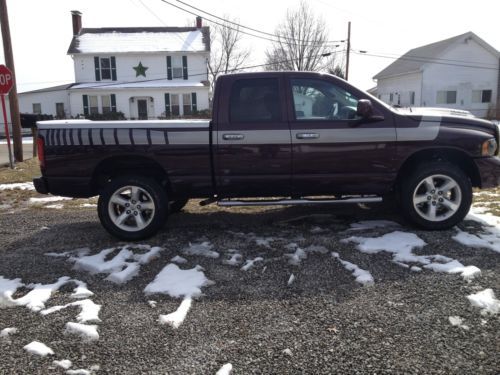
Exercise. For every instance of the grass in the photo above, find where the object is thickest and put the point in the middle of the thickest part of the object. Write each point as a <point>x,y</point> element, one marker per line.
<point>22,172</point>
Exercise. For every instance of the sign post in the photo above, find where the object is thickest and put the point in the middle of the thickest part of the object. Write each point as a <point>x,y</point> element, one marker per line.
<point>6,83</point>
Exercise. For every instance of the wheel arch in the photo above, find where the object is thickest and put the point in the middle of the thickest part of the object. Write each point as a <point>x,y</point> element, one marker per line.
<point>454,156</point>
<point>115,166</point>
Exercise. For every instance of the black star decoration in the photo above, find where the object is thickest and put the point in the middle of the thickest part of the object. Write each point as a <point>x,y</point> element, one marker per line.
<point>140,70</point>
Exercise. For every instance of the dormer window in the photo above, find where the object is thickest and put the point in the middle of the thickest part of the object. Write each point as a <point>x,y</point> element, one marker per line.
<point>105,68</point>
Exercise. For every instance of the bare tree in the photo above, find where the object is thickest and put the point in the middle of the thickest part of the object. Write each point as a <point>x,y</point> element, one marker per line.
<point>301,43</point>
<point>227,53</point>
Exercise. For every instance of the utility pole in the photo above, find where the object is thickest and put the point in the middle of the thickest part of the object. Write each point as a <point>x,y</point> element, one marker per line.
<point>348,52</point>
<point>9,62</point>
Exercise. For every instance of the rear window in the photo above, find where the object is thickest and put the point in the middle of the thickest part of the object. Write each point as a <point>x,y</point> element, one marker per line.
<point>255,100</point>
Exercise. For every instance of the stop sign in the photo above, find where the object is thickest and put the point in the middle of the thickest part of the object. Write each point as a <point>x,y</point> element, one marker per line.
<point>6,80</point>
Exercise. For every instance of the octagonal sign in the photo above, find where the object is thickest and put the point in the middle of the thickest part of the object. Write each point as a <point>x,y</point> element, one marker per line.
<point>6,80</point>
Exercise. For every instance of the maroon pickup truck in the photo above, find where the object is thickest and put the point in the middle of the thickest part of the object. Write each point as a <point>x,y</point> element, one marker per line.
<point>295,135</point>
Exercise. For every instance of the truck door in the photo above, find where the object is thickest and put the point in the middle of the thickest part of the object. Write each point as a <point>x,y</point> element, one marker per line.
<point>252,137</point>
<point>334,151</point>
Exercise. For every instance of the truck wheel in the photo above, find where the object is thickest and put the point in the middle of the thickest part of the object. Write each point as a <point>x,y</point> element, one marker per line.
<point>132,207</point>
<point>437,195</point>
<point>177,205</point>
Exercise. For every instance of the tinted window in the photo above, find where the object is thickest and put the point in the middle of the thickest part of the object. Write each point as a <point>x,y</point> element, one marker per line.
<point>255,100</point>
<point>321,100</point>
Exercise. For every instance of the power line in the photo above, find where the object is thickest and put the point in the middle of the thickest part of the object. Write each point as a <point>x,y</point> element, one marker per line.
<point>255,30</point>
<point>365,53</point>
<point>227,26</point>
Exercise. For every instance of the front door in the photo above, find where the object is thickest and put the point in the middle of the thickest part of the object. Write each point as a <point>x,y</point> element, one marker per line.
<point>142,109</point>
<point>335,151</point>
<point>253,146</point>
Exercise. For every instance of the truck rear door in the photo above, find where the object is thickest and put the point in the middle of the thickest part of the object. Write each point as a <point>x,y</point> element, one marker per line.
<point>252,141</point>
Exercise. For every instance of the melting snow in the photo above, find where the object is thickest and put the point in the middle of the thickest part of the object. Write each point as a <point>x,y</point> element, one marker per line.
<point>362,276</point>
<point>458,322</point>
<point>78,372</point>
<point>249,263</point>
<point>65,363</point>
<point>296,257</point>
<point>7,289</point>
<point>225,370</point>
<point>291,279</point>
<point>6,332</point>
<point>178,283</point>
<point>235,260</point>
<point>176,318</point>
<point>201,249</point>
<point>38,348</point>
<point>89,310</point>
<point>487,241</point>
<point>86,332</point>
<point>372,224</point>
<point>47,200</point>
<point>486,301</point>
<point>18,185</point>
<point>178,259</point>
<point>40,293</point>
<point>401,245</point>
<point>123,267</point>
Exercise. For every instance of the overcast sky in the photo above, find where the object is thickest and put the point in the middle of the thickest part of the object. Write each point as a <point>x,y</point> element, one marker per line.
<point>41,30</point>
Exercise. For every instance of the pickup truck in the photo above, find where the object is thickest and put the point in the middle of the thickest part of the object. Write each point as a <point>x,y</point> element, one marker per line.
<point>275,138</point>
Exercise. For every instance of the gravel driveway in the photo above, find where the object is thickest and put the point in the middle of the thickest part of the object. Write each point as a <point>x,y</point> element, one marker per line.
<point>322,320</point>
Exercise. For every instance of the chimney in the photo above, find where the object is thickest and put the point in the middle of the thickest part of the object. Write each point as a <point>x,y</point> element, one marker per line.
<point>198,22</point>
<point>76,17</point>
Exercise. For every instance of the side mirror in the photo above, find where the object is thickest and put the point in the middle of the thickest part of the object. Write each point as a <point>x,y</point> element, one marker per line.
<point>365,108</point>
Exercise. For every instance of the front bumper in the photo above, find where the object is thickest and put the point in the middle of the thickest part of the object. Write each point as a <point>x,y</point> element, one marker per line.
<point>489,171</point>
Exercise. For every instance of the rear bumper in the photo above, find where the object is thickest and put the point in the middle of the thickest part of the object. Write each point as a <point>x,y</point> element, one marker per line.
<point>489,171</point>
<point>75,187</point>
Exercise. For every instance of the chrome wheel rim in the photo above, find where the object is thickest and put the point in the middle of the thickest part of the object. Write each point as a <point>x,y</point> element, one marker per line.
<point>131,208</point>
<point>437,198</point>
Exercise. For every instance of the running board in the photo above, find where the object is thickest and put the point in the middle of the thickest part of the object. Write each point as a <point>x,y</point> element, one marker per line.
<point>293,202</point>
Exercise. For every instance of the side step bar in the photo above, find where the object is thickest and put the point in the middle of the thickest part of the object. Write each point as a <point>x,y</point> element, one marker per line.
<point>292,202</point>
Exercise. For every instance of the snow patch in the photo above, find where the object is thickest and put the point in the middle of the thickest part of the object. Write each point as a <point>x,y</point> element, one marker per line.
<point>486,301</point>
<point>38,348</point>
<point>86,332</point>
<point>18,186</point>
<point>249,263</point>
<point>372,224</point>
<point>178,259</point>
<point>235,260</point>
<point>482,240</point>
<point>291,279</point>
<point>47,200</point>
<point>454,266</point>
<point>457,322</point>
<point>89,310</point>
<point>295,258</point>
<point>6,333</point>
<point>225,370</point>
<point>7,289</point>
<point>40,293</point>
<point>176,318</point>
<point>78,372</point>
<point>201,249</point>
<point>362,276</point>
<point>64,364</point>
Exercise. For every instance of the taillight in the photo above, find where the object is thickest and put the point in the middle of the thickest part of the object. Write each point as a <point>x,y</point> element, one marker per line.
<point>41,154</point>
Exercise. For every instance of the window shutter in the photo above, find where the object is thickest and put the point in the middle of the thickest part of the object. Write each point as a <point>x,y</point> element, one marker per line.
<point>85,105</point>
<point>113,102</point>
<point>184,67</point>
<point>113,68</point>
<point>169,67</point>
<point>194,106</point>
<point>97,69</point>
<point>167,105</point>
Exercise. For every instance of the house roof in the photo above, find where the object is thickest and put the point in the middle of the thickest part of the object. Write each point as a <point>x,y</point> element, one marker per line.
<point>415,59</point>
<point>140,39</point>
<point>49,89</point>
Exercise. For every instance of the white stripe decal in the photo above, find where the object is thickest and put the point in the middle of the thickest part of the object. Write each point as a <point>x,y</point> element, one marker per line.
<point>426,131</point>
<point>188,138</point>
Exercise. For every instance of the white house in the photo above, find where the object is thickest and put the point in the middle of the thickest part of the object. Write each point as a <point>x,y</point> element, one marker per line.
<point>145,72</point>
<point>461,72</point>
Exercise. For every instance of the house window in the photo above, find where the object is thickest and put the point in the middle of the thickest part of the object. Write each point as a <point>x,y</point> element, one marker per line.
<point>412,97</point>
<point>177,67</point>
<point>174,104</point>
<point>60,110</point>
<point>37,108</point>
<point>105,68</point>
<point>481,96</point>
<point>186,104</point>
<point>446,97</point>
<point>93,106</point>
<point>391,97</point>
<point>106,103</point>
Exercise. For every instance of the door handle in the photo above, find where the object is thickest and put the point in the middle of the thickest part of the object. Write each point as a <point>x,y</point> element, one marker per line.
<point>307,135</point>
<point>232,137</point>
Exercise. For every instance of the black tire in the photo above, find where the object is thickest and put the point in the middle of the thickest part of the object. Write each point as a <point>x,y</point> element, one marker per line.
<point>456,202</point>
<point>147,221</point>
<point>177,205</point>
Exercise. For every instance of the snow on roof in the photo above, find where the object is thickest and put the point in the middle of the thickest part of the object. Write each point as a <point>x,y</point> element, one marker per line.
<point>157,83</point>
<point>144,39</point>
